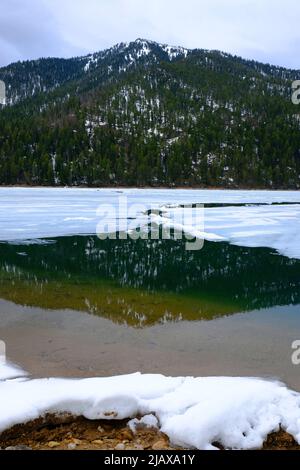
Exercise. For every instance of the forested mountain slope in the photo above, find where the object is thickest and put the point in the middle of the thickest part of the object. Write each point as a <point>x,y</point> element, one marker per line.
<point>149,114</point>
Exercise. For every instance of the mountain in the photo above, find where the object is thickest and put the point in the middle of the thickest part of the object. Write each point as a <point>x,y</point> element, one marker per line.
<point>142,113</point>
<point>27,79</point>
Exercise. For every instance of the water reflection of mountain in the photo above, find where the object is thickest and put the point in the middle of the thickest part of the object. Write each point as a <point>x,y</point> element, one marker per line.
<point>240,279</point>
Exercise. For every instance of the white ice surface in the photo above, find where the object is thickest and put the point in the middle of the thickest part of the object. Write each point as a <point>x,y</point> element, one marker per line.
<point>35,213</point>
<point>194,412</point>
<point>271,226</point>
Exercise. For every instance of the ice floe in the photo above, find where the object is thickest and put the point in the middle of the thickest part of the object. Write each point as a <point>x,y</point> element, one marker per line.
<point>276,226</point>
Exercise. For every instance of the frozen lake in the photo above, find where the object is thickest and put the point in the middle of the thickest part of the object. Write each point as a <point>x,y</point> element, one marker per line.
<point>247,218</point>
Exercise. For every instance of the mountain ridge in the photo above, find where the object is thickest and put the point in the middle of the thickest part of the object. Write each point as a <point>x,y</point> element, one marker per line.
<point>144,113</point>
<point>79,65</point>
<point>84,62</point>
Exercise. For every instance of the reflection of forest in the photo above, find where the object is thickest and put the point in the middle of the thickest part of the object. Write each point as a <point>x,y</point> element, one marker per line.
<point>246,278</point>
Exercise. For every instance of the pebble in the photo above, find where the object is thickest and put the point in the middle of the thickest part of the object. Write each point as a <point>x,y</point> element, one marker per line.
<point>138,447</point>
<point>72,446</point>
<point>19,447</point>
<point>120,446</point>
<point>126,434</point>
<point>98,442</point>
<point>160,445</point>
<point>76,441</point>
<point>100,429</point>
<point>53,444</point>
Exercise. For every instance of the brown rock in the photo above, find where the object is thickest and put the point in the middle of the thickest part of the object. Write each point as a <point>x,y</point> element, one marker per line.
<point>160,445</point>
<point>98,442</point>
<point>77,441</point>
<point>125,435</point>
<point>53,444</point>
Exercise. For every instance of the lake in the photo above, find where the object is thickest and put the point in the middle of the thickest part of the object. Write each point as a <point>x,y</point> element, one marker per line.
<point>74,305</point>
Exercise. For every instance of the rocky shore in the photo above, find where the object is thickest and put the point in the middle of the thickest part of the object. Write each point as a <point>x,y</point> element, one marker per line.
<point>52,433</point>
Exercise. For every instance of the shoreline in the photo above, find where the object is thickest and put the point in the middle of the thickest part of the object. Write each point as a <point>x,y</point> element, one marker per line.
<point>170,412</point>
<point>166,187</point>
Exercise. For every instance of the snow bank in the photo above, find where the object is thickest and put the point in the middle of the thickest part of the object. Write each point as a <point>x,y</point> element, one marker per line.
<point>35,213</point>
<point>96,398</point>
<point>239,413</point>
<point>10,371</point>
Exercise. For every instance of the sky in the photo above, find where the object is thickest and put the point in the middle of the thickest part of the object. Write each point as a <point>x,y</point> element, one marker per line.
<point>265,30</point>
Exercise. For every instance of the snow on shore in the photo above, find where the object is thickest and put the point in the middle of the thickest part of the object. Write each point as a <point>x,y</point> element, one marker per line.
<point>238,413</point>
<point>10,371</point>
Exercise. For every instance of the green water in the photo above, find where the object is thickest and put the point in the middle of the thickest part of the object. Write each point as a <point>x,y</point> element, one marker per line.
<point>144,282</point>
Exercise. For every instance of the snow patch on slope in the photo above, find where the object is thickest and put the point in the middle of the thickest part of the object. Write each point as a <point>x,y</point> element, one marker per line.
<point>174,52</point>
<point>144,48</point>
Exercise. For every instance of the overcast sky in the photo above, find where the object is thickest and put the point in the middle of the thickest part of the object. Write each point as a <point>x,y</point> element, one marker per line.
<point>266,30</point>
